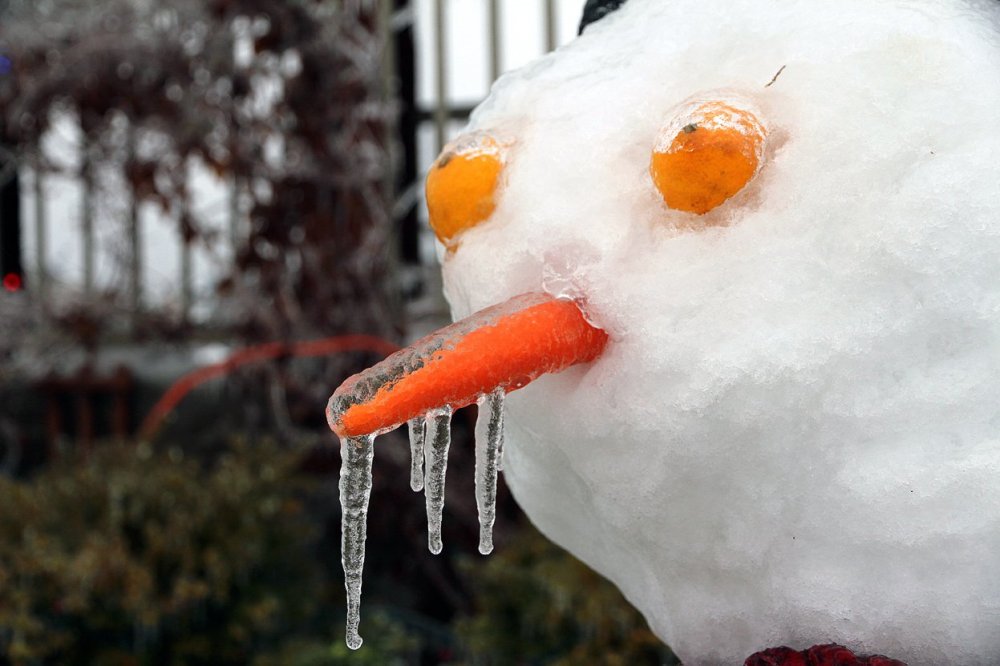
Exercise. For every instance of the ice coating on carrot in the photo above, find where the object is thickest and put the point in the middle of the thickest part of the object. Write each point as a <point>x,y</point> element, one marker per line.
<point>504,346</point>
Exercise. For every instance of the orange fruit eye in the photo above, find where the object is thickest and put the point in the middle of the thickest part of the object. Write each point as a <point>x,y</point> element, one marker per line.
<point>706,154</point>
<point>462,185</point>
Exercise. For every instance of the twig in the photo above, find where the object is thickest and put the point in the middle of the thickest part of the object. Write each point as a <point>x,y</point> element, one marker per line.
<point>775,77</point>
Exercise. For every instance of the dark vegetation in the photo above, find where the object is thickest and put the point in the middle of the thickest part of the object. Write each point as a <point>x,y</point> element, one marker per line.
<point>143,555</point>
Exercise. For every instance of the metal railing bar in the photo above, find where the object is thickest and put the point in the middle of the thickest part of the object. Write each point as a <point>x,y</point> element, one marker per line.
<point>407,199</point>
<point>551,39</point>
<point>402,18</point>
<point>387,53</point>
<point>87,220</point>
<point>185,264</point>
<point>440,61</point>
<point>496,54</point>
<point>135,247</point>
<point>41,270</point>
<point>135,257</point>
<point>450,113</point>
<point>9,165</point>
<point>186,290</point>
<point>386,140</point>
<point>234,216</point>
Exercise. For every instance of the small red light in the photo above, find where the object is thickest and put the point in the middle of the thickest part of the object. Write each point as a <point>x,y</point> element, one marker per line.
<point>12,282</point>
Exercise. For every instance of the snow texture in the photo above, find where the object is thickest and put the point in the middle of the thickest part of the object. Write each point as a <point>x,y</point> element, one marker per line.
<point>794,434</point>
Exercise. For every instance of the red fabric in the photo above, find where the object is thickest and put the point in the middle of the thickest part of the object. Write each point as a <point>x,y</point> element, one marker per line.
<point>818,655</point>
<point>830,655</point>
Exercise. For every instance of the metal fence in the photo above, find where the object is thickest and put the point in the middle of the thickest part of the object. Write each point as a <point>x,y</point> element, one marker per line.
<point>444,53</point>
<point>426,45</point>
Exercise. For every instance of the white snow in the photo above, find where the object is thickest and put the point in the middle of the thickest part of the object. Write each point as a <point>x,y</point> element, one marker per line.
<point>794,434</point>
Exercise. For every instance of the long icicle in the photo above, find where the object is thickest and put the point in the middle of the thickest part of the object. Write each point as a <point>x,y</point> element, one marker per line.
<point>416,428</point>
<point>500,441</point>
<point>489,439</point>
<point>437,441</point>
<point>356,454</point>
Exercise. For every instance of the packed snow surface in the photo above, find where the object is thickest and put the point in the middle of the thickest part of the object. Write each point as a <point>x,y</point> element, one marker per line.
<point>794,434</point>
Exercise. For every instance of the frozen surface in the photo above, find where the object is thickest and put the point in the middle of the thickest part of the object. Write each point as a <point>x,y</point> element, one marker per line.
<point>794,434</point>
<point>394,373</point>
<point>489,440</point>
<point>436,444</point>
<point>356,454</point>
<point>415,428</point>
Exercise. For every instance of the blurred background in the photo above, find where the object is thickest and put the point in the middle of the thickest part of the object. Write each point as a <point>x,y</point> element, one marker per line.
<point>211,214</point>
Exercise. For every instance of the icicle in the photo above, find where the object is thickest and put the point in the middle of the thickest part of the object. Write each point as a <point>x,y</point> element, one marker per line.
<point>416,427</point>
<point>355,489</point>
<point>489,439</point>
<point>500,441</point>
<point>437,440</point>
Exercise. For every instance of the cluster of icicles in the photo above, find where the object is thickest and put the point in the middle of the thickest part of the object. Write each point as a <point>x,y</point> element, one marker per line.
<point>430,438</point>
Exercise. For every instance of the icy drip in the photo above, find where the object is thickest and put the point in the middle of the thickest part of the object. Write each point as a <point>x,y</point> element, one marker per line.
<point>489,439</point>
<point>500,441</point>
<point>437,439</point>
<point>356,454</point>
<point>416,427</point>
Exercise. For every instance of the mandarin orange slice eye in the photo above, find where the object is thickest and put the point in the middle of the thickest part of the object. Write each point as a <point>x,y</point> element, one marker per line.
<point>462,185</point>
<point>707,153</point>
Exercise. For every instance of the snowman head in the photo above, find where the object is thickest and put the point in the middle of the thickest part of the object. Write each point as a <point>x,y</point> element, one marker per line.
<point>783,216</point>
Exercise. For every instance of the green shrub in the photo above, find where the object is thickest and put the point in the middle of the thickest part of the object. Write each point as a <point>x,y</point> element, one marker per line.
<point>387,643</point>
<point>142,558</point>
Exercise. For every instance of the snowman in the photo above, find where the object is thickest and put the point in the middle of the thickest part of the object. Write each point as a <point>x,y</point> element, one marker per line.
<point>727,284</point>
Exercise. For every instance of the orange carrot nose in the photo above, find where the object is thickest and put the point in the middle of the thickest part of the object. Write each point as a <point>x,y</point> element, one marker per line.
<point>502,347</point>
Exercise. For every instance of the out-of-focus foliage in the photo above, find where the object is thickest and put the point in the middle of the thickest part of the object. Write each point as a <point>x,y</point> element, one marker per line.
<point>387,643</point>
<point>537,604</point>
<point>135,557</point>
<point>286,100</point>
